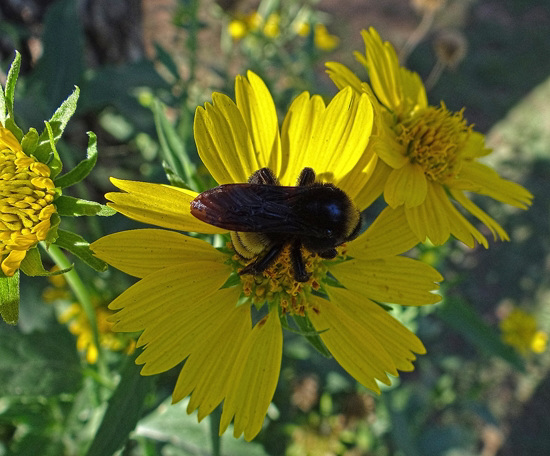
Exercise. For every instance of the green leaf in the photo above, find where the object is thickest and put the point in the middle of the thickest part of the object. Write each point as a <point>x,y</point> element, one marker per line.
<point>123,411</point>
<point>80,171</point>
<point>32,265</point>
<point>55,164</point>
<point>12,126</point>
<point>186,436</point>
<point>9,298</point>
<point>39,363</point>
<point>311,334</point>
<point>79,247</point>
<point>171,145</point>
<point>57,123</point>
<point>61,64</point>
<point>463,319</point>
<point>11,80</point>
<point>30,141</point>
<point>174,178</point>
<point>2,106</point>
<point>67,206</point>
<point>166,59</point>
<point>51,237</point>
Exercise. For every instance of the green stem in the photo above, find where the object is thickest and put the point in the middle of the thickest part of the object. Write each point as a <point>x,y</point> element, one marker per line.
<point>214,420</point>
<point>82,295</point>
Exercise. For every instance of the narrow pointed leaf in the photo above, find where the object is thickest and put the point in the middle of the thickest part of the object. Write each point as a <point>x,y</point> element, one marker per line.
<point>171,145</point>
<point>311,334</point>
<point>79,247</point>
<point>32,265</point>
<point>80,171</point>
<point>123,411</point>
<point>11,80</point>
<point>57,123</point>
<point>55,164</point>
<point>2,106</point>
<point>30,141</point>
<point>73,207</point>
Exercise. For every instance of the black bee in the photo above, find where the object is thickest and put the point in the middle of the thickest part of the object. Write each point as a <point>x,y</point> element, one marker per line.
<point>264,217</point>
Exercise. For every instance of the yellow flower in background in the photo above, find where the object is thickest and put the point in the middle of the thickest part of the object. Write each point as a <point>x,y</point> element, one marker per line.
<point>323,40</point>
<point>192,304</point>
<point>243,24</point>
<point>427,155</point>
<point>520,330</point>
<point>26,202</point>
<point>272,25</point>
<point>78,323</point>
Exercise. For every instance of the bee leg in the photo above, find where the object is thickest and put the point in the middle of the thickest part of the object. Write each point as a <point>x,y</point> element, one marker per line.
<point>328,254</point>
<point>262,263</point>
<point>307,177</point>
<point>264,176</point>
<point>300,273</point>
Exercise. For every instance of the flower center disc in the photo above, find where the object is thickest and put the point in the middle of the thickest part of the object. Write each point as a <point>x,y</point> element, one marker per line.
<point>277,282</point>
<point>434,139</point>
<point>26,196</point>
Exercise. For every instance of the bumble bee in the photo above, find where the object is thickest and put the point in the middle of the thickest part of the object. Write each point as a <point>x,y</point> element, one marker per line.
<point>264,217</point>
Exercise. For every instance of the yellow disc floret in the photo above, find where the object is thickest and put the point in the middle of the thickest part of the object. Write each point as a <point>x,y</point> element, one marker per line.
<point>26,202</point>
<point>278,284</point>
<point>434,138</point>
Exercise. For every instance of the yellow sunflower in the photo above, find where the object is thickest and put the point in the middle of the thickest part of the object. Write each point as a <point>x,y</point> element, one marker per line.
<point>26,202</point>
<point>427,155</point>
<point>192,304</point>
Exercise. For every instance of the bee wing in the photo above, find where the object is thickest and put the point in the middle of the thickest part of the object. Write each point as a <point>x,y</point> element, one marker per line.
<point>250,208</point>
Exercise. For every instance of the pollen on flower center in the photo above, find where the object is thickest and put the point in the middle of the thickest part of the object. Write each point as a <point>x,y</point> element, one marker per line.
<point>434,138</point>
<point>26,202</point>
<point>277,283</point>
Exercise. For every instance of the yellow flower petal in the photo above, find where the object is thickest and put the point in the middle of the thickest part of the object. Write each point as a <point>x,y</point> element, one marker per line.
<point>252,383</point>
<point>475,210</point>
<point>141,252</point>
<point>481,179</point>
<point>164,291</point>
<point>301,121</point>
<point>355,349</point>
<point>205,373</point>
<point>373,187</point>
<point>182,328</point>
<point>397,88</point>
<point>437,218</point>
<point>342,77</point>
<point>223,141</point>
<point>397,279</point>
<point>360,183</point>
<point>388,235</point>
<point>397,340</point>
<point>334,142</point>
<point>11,263</point>
<point>157,204</point>
<point>406,185</point>
<point>259,113</point>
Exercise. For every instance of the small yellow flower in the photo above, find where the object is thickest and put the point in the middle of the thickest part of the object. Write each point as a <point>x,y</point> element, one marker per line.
<point>271,27</point>
<point>78,324</point>
<point>519,329</point>
<point>302,28</point>
<point>26,202</point>
<point>323,40</point>
<point>243,24</point>
<point>183,302</point>
<point>427,156</point>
